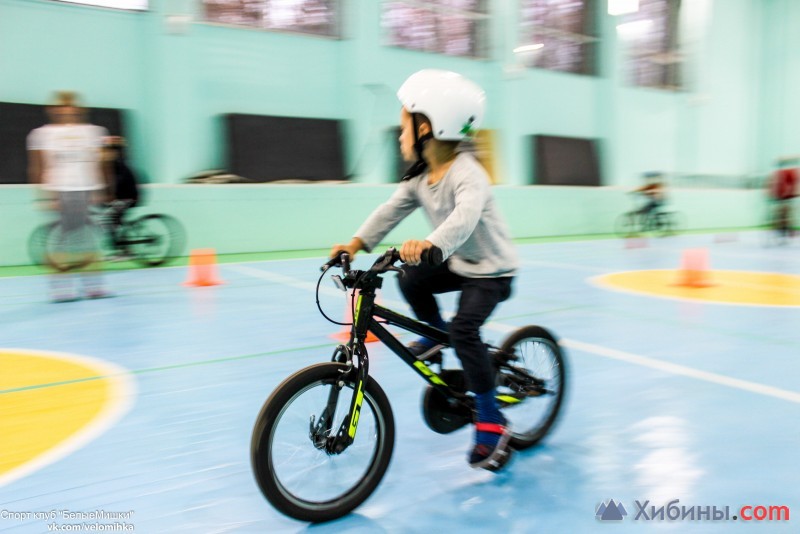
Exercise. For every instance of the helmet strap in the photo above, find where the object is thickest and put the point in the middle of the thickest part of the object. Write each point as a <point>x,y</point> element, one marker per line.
<point>420,165</point>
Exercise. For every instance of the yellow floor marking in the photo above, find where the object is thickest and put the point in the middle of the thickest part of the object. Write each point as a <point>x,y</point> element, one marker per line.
<point>53,403</point>
<point>729,287</point>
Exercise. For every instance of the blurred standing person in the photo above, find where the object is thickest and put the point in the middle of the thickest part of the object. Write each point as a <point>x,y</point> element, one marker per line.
<point>64,160</point>
<point>782,190</point>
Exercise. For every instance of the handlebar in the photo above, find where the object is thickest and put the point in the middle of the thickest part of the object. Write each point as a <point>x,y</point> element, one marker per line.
<point>341,258</point>
<point>385,262</point>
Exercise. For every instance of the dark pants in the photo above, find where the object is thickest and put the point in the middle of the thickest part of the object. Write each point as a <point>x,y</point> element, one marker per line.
<point>479,298</point>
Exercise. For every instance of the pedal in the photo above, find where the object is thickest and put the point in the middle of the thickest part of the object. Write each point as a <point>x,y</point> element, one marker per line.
<point>498,461</point>
<point>432,356</point>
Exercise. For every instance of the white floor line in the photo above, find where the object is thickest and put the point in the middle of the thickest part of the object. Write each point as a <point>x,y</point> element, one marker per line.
<point>325,288</point>
<point>581,346</point>
<point>682,370</point>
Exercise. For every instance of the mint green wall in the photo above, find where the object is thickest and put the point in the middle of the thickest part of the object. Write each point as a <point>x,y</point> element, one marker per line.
<point>780,69</point>
<point>738,113</point>
<point>742,56</point>
<point>247,218</point>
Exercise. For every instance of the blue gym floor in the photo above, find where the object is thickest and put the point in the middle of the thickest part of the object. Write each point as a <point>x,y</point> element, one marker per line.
<point>668,399</point>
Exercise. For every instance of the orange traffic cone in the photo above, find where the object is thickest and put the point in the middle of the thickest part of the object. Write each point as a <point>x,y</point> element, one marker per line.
<point>344,335</point>
<point>694,270</point>
<point>202,268</point>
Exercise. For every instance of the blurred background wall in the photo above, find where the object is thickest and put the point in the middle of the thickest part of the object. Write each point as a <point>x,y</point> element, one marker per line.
<point>175,76</point>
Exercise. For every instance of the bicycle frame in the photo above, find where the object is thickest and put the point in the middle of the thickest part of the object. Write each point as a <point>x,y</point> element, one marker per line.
<point>365,319</point>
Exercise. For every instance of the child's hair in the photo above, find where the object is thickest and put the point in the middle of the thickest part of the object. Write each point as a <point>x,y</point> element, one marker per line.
<point>65,98</point>
<point>441,150</point>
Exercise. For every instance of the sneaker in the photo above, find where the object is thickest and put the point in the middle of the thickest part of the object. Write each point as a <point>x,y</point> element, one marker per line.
<point>429,355</point>
<point>62,289</point>
<point>66,297</point>
<point>484,456</point>
<point>98,294</point>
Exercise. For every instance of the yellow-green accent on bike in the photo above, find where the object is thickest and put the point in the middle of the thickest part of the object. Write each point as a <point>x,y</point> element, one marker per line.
<point>428,373</point>
<point>358,310</point>
<point>356,410</point>
<point>507,399</point>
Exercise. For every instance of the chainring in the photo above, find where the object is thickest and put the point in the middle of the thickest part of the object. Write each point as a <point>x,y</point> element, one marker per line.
<point>442,414</point>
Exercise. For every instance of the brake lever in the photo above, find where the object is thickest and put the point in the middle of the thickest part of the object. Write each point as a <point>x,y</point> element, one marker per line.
<point>387,262</point>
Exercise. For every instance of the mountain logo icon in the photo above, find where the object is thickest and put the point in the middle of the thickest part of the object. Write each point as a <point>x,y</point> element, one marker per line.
<point>610,511</point>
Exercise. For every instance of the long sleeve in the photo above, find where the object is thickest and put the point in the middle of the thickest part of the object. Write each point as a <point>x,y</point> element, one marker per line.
<point>388,215</point>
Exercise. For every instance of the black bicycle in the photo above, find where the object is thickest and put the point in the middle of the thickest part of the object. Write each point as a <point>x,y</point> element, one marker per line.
<point>656,221</point>
<point>323,440</point>
<point>150,240</point>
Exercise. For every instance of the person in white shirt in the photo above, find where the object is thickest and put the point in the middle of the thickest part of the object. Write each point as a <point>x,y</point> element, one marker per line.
<point>64,160</point>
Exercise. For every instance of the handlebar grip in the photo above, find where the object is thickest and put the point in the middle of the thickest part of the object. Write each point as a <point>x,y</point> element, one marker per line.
<point>336,260</point>
<point>432,256</point>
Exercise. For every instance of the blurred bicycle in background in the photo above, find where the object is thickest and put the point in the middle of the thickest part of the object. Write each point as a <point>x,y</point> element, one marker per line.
<point>150,240</point>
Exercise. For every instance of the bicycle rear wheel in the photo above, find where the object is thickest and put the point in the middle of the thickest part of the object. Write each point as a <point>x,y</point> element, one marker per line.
<point>289,459</point>
<point>153,239</point>
<point>531,384</point>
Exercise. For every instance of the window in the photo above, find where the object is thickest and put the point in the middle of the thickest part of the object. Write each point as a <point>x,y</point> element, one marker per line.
<point>650,38</point>
<point>135,5</point>
<point>452,27</point>
<point>558,35</point>
<point>317,17</point>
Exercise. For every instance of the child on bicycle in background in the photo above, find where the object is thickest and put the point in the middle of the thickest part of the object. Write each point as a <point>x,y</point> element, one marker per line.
<point>439,110</point>
<point>653,191</point>
<point>783,188</point>
<point>125,186</point>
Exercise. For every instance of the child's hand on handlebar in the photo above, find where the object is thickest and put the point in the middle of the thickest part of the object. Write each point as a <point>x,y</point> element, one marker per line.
<point>351,248</point>
<point>411,251</point>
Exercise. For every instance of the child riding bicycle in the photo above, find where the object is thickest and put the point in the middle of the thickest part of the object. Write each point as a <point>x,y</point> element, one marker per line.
<point>653,191</point>
<point>124,190</point>
<point>440,109</point>
<point>782,189</point>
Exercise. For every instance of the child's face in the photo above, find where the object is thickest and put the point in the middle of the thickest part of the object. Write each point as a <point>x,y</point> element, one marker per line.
<point>407,136</point>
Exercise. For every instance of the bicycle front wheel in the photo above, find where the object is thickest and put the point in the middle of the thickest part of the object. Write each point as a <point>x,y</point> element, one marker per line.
<point>64,250</point>
<point>531,384</point>
<point>153,239</point>
<point>295,471</point>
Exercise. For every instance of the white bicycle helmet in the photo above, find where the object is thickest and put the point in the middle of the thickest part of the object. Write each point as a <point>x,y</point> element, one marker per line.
<point>454,104</point>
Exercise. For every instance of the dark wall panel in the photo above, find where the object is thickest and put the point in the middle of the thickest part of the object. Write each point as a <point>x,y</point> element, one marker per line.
<point>17,121</point>
<point>266,149</point>
<point>565,161</point>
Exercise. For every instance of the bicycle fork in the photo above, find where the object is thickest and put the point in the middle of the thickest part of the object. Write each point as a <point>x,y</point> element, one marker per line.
<point>321,431</point>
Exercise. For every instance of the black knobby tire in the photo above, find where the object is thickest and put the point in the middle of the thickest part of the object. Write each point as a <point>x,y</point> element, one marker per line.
<point>153,239</point>
<point>540,355</point>
<point>50,246</point>
<point>375,424</point>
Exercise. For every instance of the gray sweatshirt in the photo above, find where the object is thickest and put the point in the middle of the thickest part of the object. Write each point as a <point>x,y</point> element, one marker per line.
<point>467,225</point>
